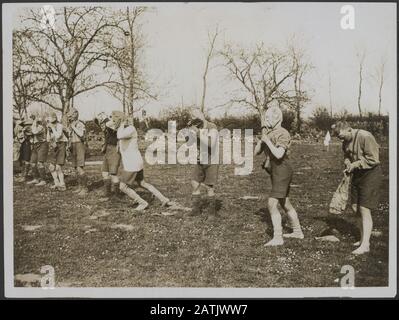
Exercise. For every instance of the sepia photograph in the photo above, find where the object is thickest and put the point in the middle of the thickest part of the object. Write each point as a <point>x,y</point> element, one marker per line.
<point>200,150</point>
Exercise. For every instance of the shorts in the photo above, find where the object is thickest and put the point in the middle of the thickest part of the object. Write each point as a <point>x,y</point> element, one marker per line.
<point>281,176</point>
<point>206,173</point>
<point>129,177</point>
<point>57,155</point>
<point>365,187</point>
<point>78,154</point>
<point>25,151</point>
<point>112,160</point>
<point>39,152</point>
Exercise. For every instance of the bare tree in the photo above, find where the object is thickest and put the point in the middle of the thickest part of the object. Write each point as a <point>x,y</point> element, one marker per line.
<point>262,74</point>
<point>66,55</point>
<point>300,68</point>
<point>379,78</point>
<point>26,86</point>
<point>210,54</point>
<point>125,49</point>
<point>361,57</point>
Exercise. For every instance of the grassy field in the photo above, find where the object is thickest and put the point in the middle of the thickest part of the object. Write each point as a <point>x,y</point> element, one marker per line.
<point>93,244</point>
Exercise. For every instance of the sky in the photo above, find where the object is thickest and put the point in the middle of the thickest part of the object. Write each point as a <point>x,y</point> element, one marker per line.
<point>177,45</point>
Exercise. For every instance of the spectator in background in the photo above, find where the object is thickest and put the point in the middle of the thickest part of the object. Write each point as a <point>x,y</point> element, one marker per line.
<point>361,159</point>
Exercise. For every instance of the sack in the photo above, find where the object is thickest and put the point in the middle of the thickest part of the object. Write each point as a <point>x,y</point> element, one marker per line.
<point>341,195</point>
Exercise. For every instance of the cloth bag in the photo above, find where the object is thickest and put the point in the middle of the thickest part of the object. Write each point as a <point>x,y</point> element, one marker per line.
<point>341,195</point>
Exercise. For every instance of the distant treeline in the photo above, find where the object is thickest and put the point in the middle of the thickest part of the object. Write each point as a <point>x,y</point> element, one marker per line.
<point>315,126</point>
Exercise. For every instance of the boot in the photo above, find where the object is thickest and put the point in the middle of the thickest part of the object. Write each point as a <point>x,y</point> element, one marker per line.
<point>106,192</point>
<point>35,175</point>
<point>196,201</point>
<point>115,191</point>
<point>79,185</point>
<point>142,204</point>
<point>84,191</point>
<point>213,213</point>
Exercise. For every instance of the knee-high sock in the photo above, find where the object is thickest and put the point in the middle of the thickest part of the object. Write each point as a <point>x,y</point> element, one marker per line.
<point>61,177</point>
<point>277,228</point>
<point>156,193</point>
<point>294,220</point>
<point>55,177</point>
<point>133,195</point>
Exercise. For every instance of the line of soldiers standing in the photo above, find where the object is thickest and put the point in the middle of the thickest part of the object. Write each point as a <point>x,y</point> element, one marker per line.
<point>42,142</point>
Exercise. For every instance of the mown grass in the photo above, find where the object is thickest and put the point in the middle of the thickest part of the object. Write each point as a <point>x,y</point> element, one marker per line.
<point>177,251</point>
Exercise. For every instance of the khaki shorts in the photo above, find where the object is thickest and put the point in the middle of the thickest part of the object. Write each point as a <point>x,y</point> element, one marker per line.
<point>206,173</point>
<point>129,177</point>
<point>365,187</point>
<point>26,151</point>
<point>57,155</point>
<point>112,160</point>
<point>281,176</point>
<point>39,152</point>
<point>78,154</point>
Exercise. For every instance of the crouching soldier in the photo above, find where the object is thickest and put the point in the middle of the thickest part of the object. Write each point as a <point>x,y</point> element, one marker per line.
<point>361,154</point>
<point>57,140</point>
<point>39,152</point>
<point>275,143</point>
<point>112,157</point>
<point>132,162</point>
<point>77,134</point>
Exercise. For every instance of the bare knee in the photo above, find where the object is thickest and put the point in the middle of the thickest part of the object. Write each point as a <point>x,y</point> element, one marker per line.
<point>272,204</point>
<point>51,167</point>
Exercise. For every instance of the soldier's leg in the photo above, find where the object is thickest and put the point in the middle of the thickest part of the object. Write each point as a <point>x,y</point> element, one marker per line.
<point>293,218</point>
<point>276,221</point>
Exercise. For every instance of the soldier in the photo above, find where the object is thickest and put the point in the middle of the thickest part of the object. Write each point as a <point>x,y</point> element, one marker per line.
<point>24,136</point>
<point>205,172</point>
<point>112,157</point>
<point>57,140</point>
<point>132,163</point>
<point>39,152</point>
<point>361,159</point>
<point>275,144</point>
<point>77,136</point>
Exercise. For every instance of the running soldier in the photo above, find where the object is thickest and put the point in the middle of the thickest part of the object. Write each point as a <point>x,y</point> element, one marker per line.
<point>112,157</point>
<point>77,135</point>
<point>39,152</point>
<point>132,162</point>
<point>275,144</point>
<point>57,140</point>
